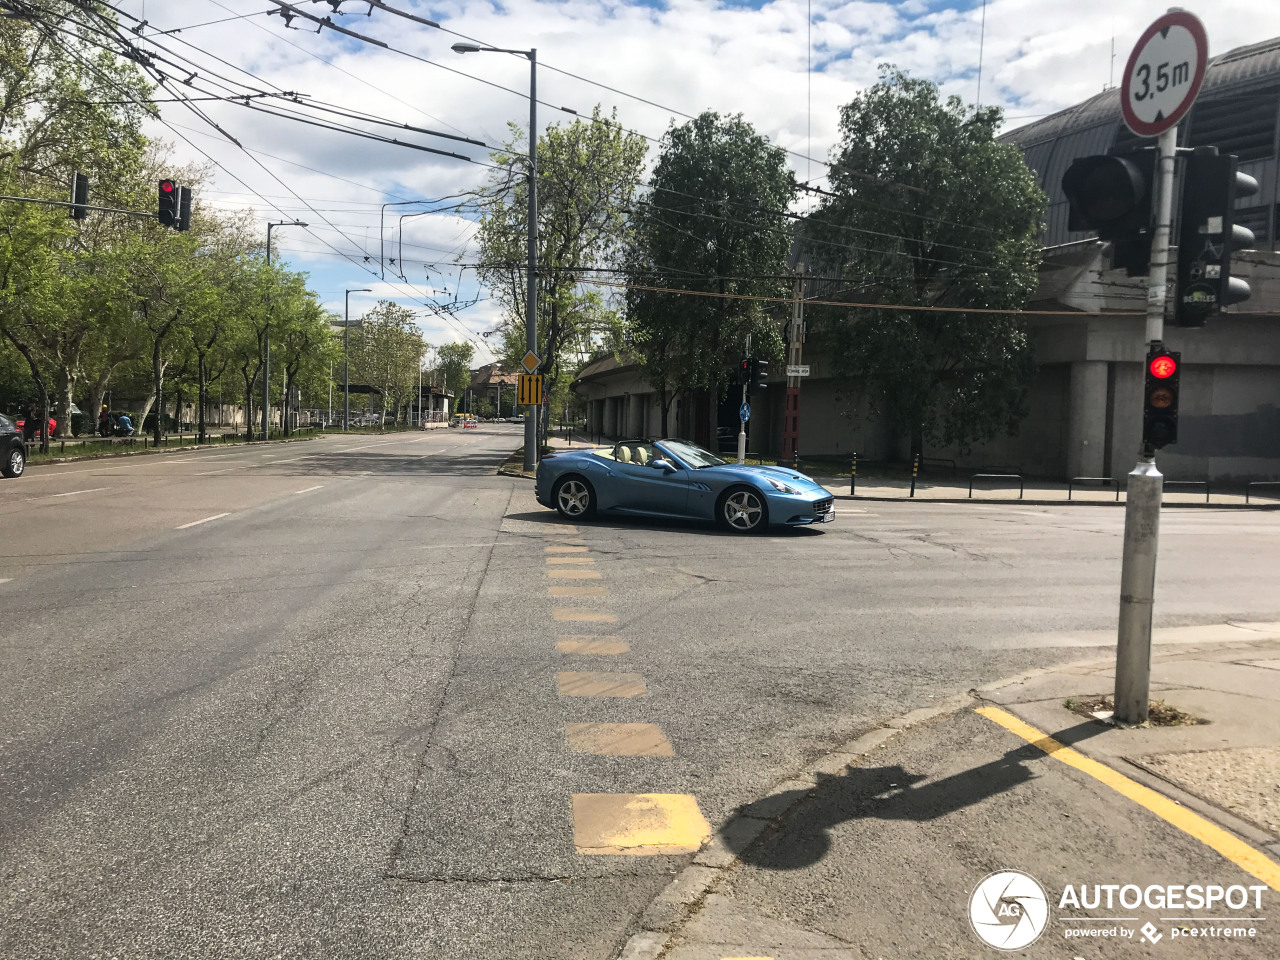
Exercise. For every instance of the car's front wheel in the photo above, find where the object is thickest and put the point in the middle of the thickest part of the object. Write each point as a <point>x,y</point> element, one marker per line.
<point>574,498</point>
<point>742,510</point>
<point>15,462</point>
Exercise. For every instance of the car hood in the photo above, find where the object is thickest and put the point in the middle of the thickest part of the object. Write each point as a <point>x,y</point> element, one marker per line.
<point>785,474</point>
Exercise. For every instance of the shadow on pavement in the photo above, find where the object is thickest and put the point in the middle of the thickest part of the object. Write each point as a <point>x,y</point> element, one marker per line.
<point>887,793</point>
<point>701,528</point>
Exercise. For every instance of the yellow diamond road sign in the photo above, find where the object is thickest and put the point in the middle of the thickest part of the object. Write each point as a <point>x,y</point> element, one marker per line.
<point>530,361</point>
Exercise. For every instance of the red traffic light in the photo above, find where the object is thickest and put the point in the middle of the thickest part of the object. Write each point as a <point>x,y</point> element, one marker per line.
<point>167,186</point>
<point>1163,367</point>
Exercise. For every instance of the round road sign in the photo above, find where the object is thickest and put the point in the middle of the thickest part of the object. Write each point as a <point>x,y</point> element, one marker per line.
<point>1164,73</point>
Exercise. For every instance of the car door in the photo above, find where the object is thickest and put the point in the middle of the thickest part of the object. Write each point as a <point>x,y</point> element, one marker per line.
<point>643,487</point>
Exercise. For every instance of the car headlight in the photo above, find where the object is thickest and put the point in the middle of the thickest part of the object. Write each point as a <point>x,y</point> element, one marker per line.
<point>783,487</point>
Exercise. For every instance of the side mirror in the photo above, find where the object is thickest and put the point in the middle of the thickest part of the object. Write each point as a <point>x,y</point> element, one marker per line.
<point>661,464</point>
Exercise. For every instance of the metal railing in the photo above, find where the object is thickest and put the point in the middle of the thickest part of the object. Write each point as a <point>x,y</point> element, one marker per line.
<point>1260,483</point>
<point>1105,481</point>
<point>996,476</point>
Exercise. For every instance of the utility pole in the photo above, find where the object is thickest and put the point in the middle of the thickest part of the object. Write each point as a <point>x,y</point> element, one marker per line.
<point>791,414</point>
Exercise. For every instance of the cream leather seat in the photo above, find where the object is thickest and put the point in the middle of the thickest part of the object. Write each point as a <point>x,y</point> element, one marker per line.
<point>642,456</point>
<point>624,454</point>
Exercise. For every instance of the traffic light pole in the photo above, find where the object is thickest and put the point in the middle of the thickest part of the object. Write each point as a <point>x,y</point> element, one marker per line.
<point>742,424</point>
<point>1145,489</point>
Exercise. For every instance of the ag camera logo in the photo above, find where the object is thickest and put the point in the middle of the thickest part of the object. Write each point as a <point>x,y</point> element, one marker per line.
<point>1009,910</point>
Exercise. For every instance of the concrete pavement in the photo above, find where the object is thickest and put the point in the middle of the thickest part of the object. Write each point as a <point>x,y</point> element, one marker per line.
<point>876,849</point>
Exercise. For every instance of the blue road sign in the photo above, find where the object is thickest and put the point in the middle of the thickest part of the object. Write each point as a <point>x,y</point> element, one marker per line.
<point>744,412</point>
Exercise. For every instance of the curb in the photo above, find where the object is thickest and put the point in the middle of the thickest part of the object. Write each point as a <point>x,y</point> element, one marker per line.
<point>1052,503</point>
<point>153,451</point>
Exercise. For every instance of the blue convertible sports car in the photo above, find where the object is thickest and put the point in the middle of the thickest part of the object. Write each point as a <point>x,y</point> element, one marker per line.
<point>675,478</point>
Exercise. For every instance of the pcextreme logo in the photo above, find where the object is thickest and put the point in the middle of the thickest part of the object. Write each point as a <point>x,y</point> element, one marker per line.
<point>1009,909</point>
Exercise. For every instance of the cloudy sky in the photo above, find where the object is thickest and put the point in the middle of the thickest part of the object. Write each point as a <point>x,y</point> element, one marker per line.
<point>785,65</point>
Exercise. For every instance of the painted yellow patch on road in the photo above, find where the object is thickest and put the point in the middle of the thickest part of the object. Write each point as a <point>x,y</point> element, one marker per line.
<point>638,824</point>
<point>593,648</point>
<point>565,549</point>
<point>577,591</point>
<point>1210,834</point>
<point>568,614</point>
<point>571,560</point>
<point>618,739</point>
<point>574,574</point>
<point>592,684</point>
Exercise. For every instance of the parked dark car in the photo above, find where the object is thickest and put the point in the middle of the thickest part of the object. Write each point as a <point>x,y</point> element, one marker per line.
<point>12,449</point>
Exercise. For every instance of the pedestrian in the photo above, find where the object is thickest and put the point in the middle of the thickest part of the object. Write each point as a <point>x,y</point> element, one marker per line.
<point>104,422</point>
<point>29,425</point>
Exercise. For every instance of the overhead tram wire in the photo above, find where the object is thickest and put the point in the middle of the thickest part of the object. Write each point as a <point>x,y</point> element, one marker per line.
<point>419,296</point>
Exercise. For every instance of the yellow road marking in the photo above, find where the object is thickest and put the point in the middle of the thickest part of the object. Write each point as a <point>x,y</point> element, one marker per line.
<point>587,684</point>
<point>638,824</point>
<point>1192,824</point>
<point>594,648</point>
<point>618,739</point>
<point>577,591</point>
<point>565,614</point>
<point>565,549</point>
<point>574,574</point>
<point>563,560</point>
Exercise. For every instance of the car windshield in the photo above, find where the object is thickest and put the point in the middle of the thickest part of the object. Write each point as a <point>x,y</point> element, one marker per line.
<point>692,454</point>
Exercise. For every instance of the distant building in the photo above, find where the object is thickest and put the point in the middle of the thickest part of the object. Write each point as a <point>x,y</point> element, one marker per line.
<point>1086,403</point>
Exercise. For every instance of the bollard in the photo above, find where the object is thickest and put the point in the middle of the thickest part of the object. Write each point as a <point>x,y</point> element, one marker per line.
<point>795,459</point>
<point>915,469</point>
<point>853,477</point>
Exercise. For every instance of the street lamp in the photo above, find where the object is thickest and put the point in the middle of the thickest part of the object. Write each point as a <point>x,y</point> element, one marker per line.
<point>346,365</point>
<point>531,308</point>
<point>266,338</point>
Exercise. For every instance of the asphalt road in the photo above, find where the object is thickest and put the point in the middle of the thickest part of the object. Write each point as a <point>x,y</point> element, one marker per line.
<point>339,698</point>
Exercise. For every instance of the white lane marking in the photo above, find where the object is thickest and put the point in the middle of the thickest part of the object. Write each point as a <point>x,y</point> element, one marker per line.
<point>6,579</point>
<point>309,489</point>
<point>292,459</point>
<point>196,523</point>
<point>70,493</point>
<point>214,473</point>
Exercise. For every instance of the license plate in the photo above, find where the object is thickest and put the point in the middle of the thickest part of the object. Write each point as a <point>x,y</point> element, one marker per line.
<point>827,517</point>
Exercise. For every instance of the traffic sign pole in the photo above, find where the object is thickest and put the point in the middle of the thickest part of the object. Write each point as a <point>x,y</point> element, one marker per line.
<point>1161,81</point>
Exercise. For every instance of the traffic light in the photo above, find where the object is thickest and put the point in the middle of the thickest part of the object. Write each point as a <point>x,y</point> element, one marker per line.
<point>168,210</point>
<point>744,372</point>
<point>1111,195</point>
<point>1160,398</point>
<point>184,208</point>
<point>1209,235</point>
<point>80,197</point>
<point>760,374</point>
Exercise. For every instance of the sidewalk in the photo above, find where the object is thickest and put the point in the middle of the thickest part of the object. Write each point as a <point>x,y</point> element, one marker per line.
<point>880,849</point>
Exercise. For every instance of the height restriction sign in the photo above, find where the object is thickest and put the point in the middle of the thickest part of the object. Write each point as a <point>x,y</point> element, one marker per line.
<point>529,389</point>
<point>1164,73</point>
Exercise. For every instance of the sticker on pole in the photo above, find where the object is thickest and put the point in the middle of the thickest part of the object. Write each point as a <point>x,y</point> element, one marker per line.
<point>1164,73</point>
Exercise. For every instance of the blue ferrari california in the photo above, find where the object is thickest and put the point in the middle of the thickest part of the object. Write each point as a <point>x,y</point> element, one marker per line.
<point>675,478</point>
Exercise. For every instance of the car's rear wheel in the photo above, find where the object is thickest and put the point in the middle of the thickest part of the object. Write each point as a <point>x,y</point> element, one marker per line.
<point>15,462</point>
<point>742,510</point>
<point>574,497</point>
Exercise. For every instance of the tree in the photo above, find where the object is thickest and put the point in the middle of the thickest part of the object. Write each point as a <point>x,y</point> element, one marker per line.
<point>714,223</point>
<point>588,173</point>
<point>386,353</point>
<point>927,209</point>
<point>453,363</point>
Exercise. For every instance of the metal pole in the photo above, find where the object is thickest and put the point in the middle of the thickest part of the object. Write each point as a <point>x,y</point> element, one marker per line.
<point>742,424</point>
<point>330,420</point>
<point>1145,488</point>
<point>531,310</point>
<point>266,346</point>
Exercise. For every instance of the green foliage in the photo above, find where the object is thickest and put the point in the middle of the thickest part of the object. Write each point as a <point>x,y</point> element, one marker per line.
<point>453,365</point>
<point>928,210</point>
<point>387,352</point>
<point>587,176</point>
<point>715,222</point>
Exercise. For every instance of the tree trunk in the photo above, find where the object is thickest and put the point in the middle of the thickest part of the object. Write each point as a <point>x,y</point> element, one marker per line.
<point>38,377</point>
<point>66,384</point>
<point>249,381</point>
<point>97,390</point>
<point>201,398</point>
<point>157,381</point>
